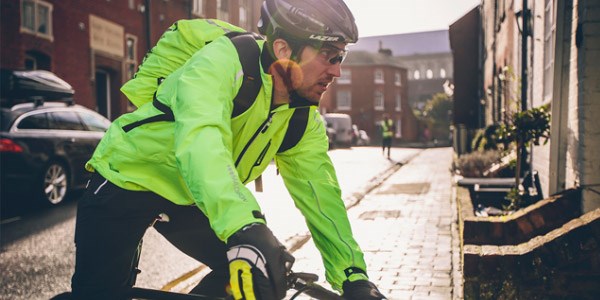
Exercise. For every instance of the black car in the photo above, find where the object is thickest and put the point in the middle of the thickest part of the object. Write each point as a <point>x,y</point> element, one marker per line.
<point>44,147</point>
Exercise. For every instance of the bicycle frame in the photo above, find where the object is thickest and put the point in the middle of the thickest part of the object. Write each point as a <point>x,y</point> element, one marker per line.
<point>303,283</point>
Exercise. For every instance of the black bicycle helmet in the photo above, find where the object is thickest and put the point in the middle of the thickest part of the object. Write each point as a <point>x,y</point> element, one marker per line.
<point>315,21</point>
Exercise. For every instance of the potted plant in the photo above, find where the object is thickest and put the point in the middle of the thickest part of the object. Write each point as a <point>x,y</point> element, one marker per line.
<point>523,129</point>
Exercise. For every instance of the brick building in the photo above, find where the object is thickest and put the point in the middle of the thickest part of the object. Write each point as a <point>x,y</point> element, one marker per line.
<point>96,46</point>
<point>468,110</point>
<point>426,56</point>
<point>561,68</point>
<point>370,85</point>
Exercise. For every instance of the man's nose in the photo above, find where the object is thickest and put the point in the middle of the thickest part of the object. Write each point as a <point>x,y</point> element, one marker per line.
<point>335,69</point>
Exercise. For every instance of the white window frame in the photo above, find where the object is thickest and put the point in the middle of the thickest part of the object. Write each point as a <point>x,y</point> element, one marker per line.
<point>442,73</point>
<point>345,77</point>
<point>378,75</point>
<point>130,55</point>
<point>549,29</point>
<point>399,128</point>
<point>344,100</point>
<point>378,100</point>
<point>398,79</point>
<point>416,75</point>
<point>244,18</point>
<point>36,20</point>
<point>198,8</point>
<point>429,74</point>
<point>223,10</point>
<point>398,101</point>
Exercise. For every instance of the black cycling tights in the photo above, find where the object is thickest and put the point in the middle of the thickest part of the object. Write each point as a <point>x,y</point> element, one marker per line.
<point>110,223</point>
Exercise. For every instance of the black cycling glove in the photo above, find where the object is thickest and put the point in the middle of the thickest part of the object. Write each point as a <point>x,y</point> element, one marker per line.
<point>361,290</point>
<point>258,264</point>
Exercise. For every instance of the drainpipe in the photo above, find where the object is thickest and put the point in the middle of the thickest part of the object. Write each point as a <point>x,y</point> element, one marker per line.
<point>148,25</point>
<point>524,86</point>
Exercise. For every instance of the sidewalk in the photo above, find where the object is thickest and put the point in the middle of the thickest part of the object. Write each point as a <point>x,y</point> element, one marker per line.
<point>407,228</point>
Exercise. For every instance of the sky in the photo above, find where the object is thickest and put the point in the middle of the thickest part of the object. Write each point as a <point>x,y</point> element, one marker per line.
<point>383,17</point>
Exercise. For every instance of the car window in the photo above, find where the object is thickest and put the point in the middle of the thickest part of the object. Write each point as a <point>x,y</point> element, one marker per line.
<point>93,122</point>
<point>35,121</point>
<point>65,120</point>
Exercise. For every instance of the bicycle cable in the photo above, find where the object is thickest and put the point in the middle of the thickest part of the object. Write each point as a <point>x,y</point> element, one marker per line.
<point>299,292</point>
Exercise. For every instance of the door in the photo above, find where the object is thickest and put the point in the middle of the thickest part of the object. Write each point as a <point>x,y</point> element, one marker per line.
<point>103,93</point>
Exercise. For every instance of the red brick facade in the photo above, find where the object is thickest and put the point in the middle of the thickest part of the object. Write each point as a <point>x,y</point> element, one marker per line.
<point>362,88</point>
<point>68,51</point>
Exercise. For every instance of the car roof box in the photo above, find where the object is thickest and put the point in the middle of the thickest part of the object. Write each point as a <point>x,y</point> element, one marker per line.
<point>27,86</point>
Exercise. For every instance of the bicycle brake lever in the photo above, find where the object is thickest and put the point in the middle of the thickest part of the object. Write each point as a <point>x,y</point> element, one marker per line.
<point>302,277</point>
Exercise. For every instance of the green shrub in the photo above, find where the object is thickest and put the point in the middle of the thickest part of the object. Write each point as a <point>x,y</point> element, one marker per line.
<point>475,164</point>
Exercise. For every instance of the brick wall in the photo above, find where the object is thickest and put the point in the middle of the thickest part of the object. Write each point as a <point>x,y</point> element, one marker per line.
<point>523,225</point>
<point>589,104</point>
<point>563,264</point>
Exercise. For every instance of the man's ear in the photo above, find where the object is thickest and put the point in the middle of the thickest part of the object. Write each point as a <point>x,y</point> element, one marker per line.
<point>282,49</point>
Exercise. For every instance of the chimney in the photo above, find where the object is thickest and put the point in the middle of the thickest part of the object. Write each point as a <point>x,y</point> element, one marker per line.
<point>386,52</point>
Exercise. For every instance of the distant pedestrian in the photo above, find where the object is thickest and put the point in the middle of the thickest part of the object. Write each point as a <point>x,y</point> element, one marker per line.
<point>387,132</point>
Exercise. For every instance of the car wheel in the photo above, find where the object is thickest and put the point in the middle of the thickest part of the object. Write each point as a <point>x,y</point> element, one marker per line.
<point>55,183</point>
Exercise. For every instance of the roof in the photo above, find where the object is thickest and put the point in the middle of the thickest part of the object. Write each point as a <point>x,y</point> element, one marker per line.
<point>364,58</point>
<point>405,44</point>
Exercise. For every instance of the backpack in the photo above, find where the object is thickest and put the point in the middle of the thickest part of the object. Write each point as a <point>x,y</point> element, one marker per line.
<point>177,45</point>
<point>179,42</point>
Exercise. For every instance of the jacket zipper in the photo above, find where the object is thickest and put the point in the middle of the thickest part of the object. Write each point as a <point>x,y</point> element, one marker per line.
<point>259,160</point>
<point>261,129</point>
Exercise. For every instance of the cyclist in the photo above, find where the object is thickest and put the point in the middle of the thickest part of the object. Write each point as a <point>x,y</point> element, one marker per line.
<point>195,167</point>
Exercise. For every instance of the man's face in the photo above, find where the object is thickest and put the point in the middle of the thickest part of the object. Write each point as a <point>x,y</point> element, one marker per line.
<point>319,68</point>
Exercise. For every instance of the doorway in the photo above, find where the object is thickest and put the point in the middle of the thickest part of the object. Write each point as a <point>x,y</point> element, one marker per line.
<point>103,88</point>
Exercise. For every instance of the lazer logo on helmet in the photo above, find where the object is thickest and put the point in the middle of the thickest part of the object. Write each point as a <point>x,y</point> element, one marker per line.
<point>324,38</point>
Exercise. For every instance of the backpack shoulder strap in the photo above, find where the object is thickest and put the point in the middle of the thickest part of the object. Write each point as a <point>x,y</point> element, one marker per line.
<point>249,53</point>
<point>296,127</point>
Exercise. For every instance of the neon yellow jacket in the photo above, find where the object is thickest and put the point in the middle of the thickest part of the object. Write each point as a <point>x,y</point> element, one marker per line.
<point>205,157</point>
<point>386,128</point>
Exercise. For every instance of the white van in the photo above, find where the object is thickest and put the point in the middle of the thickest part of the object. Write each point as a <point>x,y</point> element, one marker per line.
<point>342,123</point>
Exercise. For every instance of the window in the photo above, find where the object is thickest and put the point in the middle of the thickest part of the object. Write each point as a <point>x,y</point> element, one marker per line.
<point>378,100</point>
<point>35,121</point>
<point>442,73</point>
<point>344,100</point>
<point>36,18</point>
<point>549,27</point>
<point>378,76</point>
<point>223,10</point>
<point>398,128</point>
<point>130,55</point>
<point>30,62</point>
<point>429,74</point>
<point>65,120</point>
<point>398,79</point>
<point>398,101</point>
<point>417,75</point>
<point>198,8</point>
<point>93,122</point>
<point>345,77</point>
<point>35,60</point>
<point>244,22</point>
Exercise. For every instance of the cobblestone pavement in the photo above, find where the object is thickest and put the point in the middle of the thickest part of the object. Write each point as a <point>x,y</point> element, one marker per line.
<point>407,229</point>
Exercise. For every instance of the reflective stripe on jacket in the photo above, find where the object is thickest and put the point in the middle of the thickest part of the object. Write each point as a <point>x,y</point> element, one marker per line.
<point>205,157</point>
<point>386,128</point>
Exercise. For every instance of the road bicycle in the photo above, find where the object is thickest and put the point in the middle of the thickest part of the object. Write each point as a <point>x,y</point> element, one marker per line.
<point>301,282</point>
